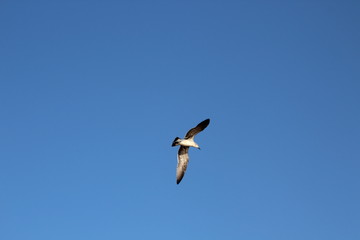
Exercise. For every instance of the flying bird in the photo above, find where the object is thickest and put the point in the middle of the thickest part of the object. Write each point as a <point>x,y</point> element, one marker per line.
<point>185,143</point>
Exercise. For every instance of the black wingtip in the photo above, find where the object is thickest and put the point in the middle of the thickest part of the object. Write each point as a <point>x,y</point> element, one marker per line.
<point>204,123</point>
<point>178,180</point>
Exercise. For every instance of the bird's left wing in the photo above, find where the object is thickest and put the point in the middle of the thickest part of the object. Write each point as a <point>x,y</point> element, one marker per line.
<point>183,159</point>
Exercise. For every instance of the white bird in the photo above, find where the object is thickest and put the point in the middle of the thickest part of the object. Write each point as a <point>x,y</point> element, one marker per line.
<point>185,143</point>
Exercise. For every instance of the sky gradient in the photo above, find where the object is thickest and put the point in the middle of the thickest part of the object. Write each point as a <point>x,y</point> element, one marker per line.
<point>92,94</point>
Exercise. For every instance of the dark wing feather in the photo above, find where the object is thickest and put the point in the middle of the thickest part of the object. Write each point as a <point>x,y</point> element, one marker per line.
<point>183,159</point>
<point>201,126</point>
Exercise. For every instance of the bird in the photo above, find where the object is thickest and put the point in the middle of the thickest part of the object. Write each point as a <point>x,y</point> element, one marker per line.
<point>185,143</point>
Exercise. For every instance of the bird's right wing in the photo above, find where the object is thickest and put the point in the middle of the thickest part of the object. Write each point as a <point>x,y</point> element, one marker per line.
<point>183,159</point>
<point>201,126</point>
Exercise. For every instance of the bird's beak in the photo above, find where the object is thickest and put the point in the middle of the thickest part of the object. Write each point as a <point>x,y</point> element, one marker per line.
<point>199,148</point>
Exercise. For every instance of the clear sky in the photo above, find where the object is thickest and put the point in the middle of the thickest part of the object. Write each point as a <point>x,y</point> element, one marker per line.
<point>92,94</point>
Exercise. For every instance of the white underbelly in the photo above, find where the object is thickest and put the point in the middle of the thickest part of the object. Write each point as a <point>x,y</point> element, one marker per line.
<point>188,143</point>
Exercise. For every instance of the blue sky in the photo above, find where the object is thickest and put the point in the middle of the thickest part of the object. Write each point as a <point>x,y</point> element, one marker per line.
<point>92,93</point>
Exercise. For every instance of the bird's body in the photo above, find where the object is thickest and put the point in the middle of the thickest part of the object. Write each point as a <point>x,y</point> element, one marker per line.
<point>188,141</point>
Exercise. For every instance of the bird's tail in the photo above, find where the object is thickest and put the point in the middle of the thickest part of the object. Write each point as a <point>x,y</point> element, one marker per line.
<point>175,142</point>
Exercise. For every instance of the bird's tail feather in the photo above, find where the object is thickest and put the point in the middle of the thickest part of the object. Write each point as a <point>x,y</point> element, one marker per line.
<point>175,142</point>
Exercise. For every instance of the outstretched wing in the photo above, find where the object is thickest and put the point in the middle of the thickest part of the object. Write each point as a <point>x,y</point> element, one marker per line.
<point>183,159</point>
<point>201,126</point>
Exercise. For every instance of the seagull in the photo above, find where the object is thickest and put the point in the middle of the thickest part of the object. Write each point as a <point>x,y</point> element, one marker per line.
<point>185,143</point>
